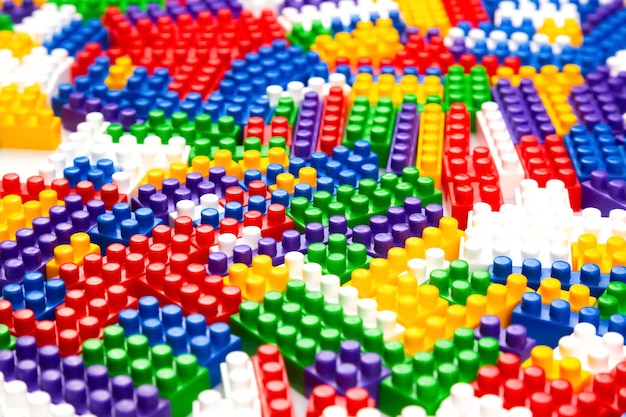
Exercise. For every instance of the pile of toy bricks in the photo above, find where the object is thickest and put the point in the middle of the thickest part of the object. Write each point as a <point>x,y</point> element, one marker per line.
<point>298,208</point>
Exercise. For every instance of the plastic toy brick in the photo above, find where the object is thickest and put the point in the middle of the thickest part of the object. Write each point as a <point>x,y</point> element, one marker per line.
<point>375,42</point>
<point>79,246</point>
<point>492,132</point>
<point>513,339</point>
<point>609,388</point>
<point>602,193</point>
<point>430,143</point>
<point>255,281</point>
<point>349,369</point>
<point>100,300</point>
<point>18,10</point>
<point>325,397</point>
<point>279,126</point>
<point>273,383</point>
<point>471,89</point>
<point>596,146</point>
<point>68,382</point>
<point>332,119</point>
<point>7,341</point>
<point>529,387</point>
<point>374,124</point>
<point>400,223</point>
<point>119,226</point>
<point>404,139</point>
<point>236,369</point>
<point>578,295</point>
<point>210,344</point>
<point>589,275</point>
<point>337,257</point>
<point>568,367</point>
<point>596,354</point>
<point>548,323</point>
<point>42,298</point>
<point>29,254</point>
<point>26,119</point>
<point>178,379</point>
<point>29,190</point>
<point>549,161</point>
<point>462,395</point>
<point>20,44</point>
<point>409,383</point>
<point>293,241</point>
<point>587,250</point>
<point>456,285</point>
<point>407,90</point>
<point>299,342</point>
<point>610,301</point>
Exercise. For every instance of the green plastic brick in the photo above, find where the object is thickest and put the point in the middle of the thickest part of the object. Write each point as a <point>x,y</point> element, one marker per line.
<point>471,89</point>
<point>357,205</point>
<point>374,124</point>
<point>306,38</point>
<point>410,184</point>
<point>301,324</point>
<point>456,284</point>
<point>179,379</point>
<point>5,22</point>
<point>287,109</point>
<point>612,300</point>
<point>427,379</point>
<point>337,257</point>
<point>7,342</point>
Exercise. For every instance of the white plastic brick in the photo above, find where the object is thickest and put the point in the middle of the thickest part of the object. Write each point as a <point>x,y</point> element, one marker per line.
<point>463,402</point>
<point>413,411</point>
<point>596,354</point>
<point>39,67</point>
<point>492,132</point>
<point>538,13</point>
<point>189,209</point>
<point>239,384</point>
<point>326,11</point>
<point>47,21</point>
<point>226,242</point>
<point>296,90</point>
<point>16,401</point>
<point>617,62</point>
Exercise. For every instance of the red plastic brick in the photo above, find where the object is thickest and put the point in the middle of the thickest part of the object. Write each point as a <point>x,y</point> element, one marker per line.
<point>279,126</point>
<point>333,120</point>
<point>273,383</point>
<point>324,396</point>
<point>543,162</point>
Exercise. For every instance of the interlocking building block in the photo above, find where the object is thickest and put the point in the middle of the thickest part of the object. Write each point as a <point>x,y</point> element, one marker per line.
<point>42,298</point>
<point>427,380</point>
<point>430,142</point>
<point>325,397</point>
<point>609,388</point>
<point>68,383</point>
<point>26,119</point>
<point>273,383</point>
<point>210,344</point>
<point>119,226</point>
<point>567,367</point>
<point>74,252</point>
<point>179,379</point>
<point>513,339</point>
<point>348,369</point>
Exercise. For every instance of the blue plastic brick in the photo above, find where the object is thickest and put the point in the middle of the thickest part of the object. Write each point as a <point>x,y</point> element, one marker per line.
<point>594,150</point>
<point>531,268</point>
<point>548,323</point>
<point>210,344</point>
<point>119,226</point>
<point>42,298</point>
<point>77,34</point>
<point>99,174</point>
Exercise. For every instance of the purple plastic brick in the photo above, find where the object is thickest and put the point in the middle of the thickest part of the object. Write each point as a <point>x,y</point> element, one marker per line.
<point>513,339</point>
<point>523,110</point>
<point>18,12</point>
<point>88,389</point>
<point>603,194</point>
<point>348,369</point>
<point>600,14</point>
<point>307,125</point>
<point>400,223</point>
<point>405,132</point>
